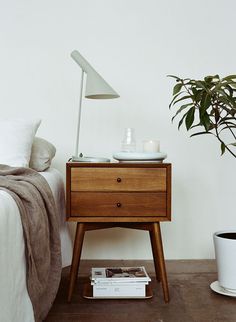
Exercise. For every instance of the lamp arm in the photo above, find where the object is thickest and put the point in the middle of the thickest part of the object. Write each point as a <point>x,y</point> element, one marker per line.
<point>79,114</point>
<point>82,62</point>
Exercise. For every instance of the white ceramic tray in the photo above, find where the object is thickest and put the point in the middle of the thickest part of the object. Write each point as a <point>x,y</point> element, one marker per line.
<point>139,156</point>
<point>215,286</point>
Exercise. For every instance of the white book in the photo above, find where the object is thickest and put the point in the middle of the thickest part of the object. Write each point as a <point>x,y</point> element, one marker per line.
<point>119,290</point>
<point>130,283</point>
<point>119,274</point>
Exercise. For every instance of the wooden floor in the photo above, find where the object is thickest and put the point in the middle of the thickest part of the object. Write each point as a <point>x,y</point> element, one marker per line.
<point>191,298</point>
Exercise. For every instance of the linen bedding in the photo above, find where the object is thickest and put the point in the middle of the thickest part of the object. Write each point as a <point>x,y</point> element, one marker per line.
<point>15,304</point>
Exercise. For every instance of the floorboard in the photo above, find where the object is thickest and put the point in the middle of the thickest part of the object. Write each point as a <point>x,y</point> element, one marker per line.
<point>191,298</point>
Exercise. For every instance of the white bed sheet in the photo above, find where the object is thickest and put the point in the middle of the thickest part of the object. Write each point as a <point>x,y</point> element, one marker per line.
<point>15,304</point>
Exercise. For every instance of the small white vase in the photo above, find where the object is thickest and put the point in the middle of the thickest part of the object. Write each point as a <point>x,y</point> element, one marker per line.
<point>225,252</point>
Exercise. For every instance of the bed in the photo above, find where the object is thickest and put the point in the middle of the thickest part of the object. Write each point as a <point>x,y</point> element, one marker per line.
<point>15,304</point>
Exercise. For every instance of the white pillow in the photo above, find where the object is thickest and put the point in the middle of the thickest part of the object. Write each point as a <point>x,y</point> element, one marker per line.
<point>16,138</point>
<point>42,154</point>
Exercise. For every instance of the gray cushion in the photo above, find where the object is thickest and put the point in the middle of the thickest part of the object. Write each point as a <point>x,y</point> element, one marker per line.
<point>42,154</point>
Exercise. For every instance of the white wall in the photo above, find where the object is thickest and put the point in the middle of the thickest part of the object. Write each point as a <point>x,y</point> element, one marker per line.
<point>134,44</point>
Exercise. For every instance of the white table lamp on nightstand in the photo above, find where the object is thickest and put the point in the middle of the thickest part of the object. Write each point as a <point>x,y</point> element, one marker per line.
<point>96,88</point>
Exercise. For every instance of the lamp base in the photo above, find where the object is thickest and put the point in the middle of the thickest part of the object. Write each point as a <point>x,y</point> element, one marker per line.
<point>88,159</point>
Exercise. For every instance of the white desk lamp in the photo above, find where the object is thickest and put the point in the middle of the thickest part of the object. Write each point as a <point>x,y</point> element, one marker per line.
<point>96,88</point>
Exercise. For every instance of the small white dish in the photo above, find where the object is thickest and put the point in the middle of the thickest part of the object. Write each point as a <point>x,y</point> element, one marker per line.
<point>139,156</point>
<point>215,286</point>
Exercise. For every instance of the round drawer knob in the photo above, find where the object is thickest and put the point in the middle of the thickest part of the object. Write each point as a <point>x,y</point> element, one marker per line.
<point>118,179</point>
<point>118,204</point>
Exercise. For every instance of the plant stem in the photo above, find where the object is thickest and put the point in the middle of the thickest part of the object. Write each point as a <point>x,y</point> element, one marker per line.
<point>188,91</point>
<point>232,132</point>
<point>227,148</point>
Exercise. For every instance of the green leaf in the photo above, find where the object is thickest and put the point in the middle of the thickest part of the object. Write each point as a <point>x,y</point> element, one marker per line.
<point>200,133</point>
<point>196,125</point>
<point>232,101</point>
<point>201,84</point>
<point>231,91</point>
<point>222,93</point>
<point>226,82</point>
<point>226,119</point>
<point>181,109</point>
<point>225,100</point>
<point>229,77</point>
<point>198,94</point>
<point>177,88</point>
<point>174,98</point>
<point>205,121</point>
<point>222,148</point>
<point>208,79</point>
<point>205,103</point>
<point>173,76</point>
<point>234,144</point>
<point>190,118</point>
<point>212,79</point>
<point>227,123</point>
<point>219,86</point>
<point>181,121</point>
<point>182,98</point>
<point>194,90</point>
<point>232,84</point>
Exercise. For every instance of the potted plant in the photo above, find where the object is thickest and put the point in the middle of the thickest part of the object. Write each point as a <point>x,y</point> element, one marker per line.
<point>208,107</point>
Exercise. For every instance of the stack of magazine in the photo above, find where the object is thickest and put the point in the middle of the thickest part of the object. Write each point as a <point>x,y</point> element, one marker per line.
<point>118,282</point>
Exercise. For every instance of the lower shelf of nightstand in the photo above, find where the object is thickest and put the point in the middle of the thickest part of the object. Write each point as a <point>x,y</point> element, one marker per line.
<point>155,239</point>
<point>88,294</point>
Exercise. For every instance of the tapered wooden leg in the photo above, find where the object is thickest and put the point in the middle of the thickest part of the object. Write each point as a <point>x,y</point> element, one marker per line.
<point>160,258</point>
<point>155,255</point>
<point>78,243</point>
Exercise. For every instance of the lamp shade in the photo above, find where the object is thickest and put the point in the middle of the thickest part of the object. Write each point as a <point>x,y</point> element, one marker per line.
<point>96,86</point>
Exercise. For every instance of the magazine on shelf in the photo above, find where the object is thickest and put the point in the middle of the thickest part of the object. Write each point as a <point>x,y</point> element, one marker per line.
<point>111,283</point>
<point>119,290</point>
<point>119,275</point>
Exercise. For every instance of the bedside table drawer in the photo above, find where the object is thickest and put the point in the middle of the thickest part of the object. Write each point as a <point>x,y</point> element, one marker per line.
<point>118,204</point>
<point>118,179</point>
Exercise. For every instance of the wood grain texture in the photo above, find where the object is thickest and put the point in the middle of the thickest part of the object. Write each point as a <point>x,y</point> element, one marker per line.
<point>118,204</point>
<point>136,196</point>
<point>68,191</point>
<point>142,174</point>
<point>110,219</point>
<point>160,260</point>
<point>117,165</point>
<point>78,243</point>
<point>168,191</point>
<point>119,179</point>
<point>155,255</point>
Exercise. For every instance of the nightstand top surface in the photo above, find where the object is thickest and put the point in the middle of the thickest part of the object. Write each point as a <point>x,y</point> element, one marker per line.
<point>118,164</point>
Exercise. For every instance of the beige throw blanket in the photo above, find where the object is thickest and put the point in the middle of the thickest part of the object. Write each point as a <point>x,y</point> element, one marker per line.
<point>40,222</point>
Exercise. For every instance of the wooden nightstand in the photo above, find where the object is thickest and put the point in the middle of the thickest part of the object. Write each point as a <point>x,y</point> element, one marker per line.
<point>130,195</point>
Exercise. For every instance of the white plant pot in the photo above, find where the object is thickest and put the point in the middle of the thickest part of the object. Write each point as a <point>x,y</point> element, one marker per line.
<point>225,252</point>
